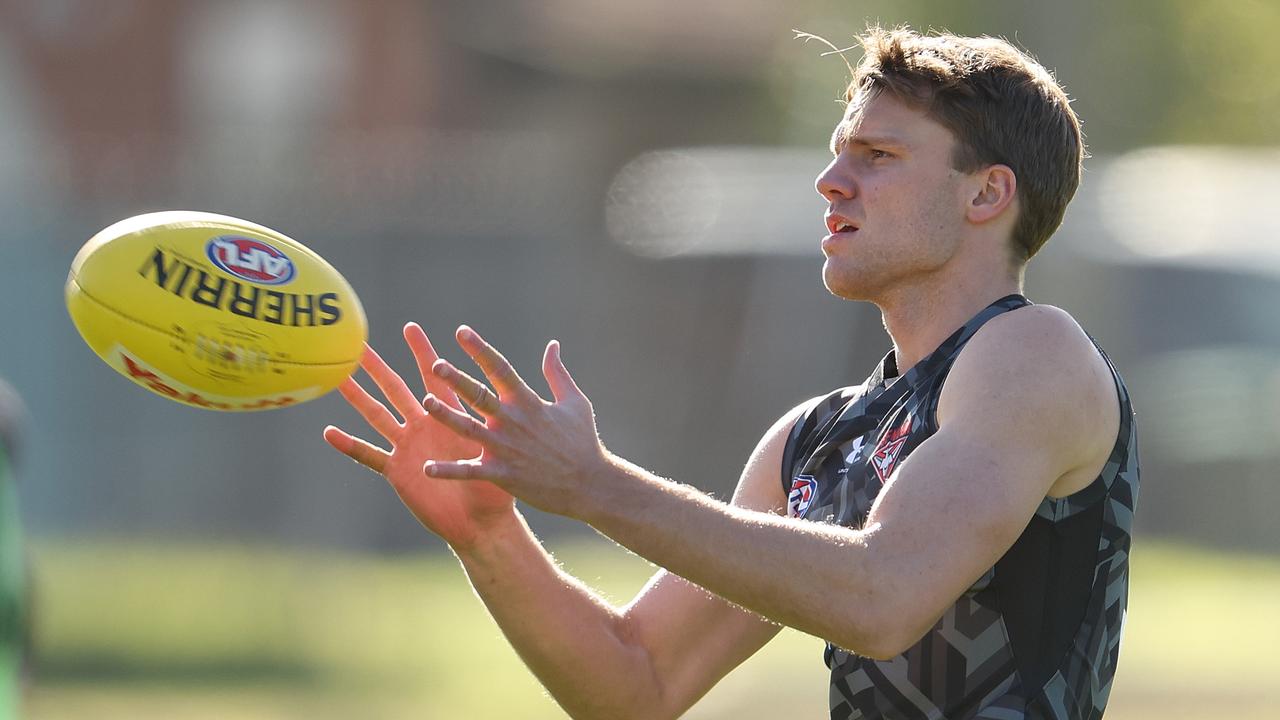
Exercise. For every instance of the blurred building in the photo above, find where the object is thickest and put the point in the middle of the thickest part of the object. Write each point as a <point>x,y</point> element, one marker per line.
<point>635,180</point>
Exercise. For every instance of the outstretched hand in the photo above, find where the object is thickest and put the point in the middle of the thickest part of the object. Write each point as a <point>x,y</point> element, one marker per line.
<point>545,453</point>
<point>456,511</point>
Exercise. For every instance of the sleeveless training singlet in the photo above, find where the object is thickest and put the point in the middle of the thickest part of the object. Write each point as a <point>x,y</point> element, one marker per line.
<point>1037,636</point>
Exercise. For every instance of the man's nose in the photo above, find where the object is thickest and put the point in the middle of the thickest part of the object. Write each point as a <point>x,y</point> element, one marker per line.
<point>834,182</point>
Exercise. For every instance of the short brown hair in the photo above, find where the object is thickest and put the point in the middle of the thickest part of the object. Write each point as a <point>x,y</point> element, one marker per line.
<point>1000,104</point>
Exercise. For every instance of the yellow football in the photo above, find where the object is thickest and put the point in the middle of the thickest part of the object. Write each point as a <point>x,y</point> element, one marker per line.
<point>215,312</point>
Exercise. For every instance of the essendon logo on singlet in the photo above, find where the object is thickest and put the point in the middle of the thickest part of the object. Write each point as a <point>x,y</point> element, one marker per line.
<point>803,488</point>
<point>885,457</point>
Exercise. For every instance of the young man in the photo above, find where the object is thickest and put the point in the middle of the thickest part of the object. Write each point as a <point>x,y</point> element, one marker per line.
<point>956,527</point>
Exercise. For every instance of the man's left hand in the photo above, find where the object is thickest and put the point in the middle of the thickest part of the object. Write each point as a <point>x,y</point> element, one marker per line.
<point>545,453</point>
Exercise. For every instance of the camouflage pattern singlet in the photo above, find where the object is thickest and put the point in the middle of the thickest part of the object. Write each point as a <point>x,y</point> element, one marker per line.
<point>1037,636</point>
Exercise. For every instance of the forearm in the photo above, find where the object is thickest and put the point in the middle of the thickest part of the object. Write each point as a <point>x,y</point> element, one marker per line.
<point>815,577</point>
<point>572,639</point>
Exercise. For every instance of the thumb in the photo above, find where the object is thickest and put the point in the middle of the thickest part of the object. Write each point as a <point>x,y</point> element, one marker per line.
<point>560,381</point>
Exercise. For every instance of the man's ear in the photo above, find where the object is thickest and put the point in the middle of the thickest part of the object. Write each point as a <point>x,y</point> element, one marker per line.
<point>995,189</point>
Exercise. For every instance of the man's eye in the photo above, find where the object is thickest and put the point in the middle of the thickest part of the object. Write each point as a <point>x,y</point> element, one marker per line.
<point>879,154</point>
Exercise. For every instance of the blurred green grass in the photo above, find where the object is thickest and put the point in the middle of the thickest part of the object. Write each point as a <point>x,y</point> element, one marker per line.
<point>147,630</point>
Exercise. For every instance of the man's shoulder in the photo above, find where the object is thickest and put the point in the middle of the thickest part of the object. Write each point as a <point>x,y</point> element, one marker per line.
<point>1033,371</point>
<point>1033,318</point>
<point>1040,342</point>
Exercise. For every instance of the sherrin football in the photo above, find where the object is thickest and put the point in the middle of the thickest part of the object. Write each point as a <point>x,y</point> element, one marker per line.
<point>215,312</point>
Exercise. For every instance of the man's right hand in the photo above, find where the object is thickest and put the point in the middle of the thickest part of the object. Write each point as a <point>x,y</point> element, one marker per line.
<point>458,511</point>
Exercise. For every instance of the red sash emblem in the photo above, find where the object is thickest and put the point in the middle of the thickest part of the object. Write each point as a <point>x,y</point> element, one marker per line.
<point>885,458</point>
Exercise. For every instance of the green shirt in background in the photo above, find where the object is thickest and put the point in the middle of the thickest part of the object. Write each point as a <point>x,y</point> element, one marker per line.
<point>12,594</point>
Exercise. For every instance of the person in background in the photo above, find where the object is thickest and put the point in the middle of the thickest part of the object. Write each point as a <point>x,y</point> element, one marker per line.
<point>14,630</point>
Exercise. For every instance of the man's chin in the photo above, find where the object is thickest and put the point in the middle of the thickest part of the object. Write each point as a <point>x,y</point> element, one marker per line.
<point>843,286</point>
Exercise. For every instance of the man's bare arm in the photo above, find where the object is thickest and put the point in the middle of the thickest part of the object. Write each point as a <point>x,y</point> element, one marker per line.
<point>1021,416</point>
<point>650,659</point>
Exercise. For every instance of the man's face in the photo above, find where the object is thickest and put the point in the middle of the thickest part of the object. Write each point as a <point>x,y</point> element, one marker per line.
<point>896,211</point>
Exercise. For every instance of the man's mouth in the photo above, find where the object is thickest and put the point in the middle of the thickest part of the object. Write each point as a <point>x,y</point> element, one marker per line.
<point>837,224</point>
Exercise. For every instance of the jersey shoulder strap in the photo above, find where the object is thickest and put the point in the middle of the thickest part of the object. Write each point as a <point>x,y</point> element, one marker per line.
<point>812,425</point>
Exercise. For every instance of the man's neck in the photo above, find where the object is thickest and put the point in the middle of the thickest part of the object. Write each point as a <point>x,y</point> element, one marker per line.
<point>919,319</point>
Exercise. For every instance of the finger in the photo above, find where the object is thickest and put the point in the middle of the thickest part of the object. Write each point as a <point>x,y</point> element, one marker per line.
<point>468,389</point>
<point>562,384</point>
<point>374,412</point>
<point>425,355</point>
<point>391,384</point>
<point>370,456</point>
<point>455,420</point>
<point>460,470</point>
<point>496,368</point>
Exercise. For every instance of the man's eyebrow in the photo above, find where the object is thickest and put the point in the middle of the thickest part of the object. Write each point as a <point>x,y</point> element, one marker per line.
<point>840,138</point>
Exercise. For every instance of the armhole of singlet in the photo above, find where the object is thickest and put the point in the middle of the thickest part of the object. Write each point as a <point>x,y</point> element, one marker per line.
<point>1055,559</point>
<point>805,425</point>
<point>1060,508</point>
<point>1044,586</point>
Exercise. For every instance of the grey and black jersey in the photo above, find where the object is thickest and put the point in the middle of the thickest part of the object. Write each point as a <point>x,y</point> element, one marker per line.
<point>1037,636</point>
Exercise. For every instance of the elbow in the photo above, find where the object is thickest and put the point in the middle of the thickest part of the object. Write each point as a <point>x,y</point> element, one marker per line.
<point>886,645</point>
<point>630,713</point>
<point>880,643</point>
<point>883,628</point>
<point>641,690</point>
<point>635,708</point>
<point>625,711</point>
<point>874,643</point>
<point>891,608</point>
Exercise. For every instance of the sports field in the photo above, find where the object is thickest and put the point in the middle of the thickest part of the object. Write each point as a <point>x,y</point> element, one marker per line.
<point>145,631</point>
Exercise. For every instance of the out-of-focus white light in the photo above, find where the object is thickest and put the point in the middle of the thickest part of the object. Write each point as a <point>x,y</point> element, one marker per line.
<point>718,201</point>
<point>1202,205</point>
<point>662,204</point>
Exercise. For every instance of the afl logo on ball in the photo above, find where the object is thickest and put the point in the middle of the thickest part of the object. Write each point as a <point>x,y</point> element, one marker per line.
<point>250,259</point>
<point>802,490</point>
